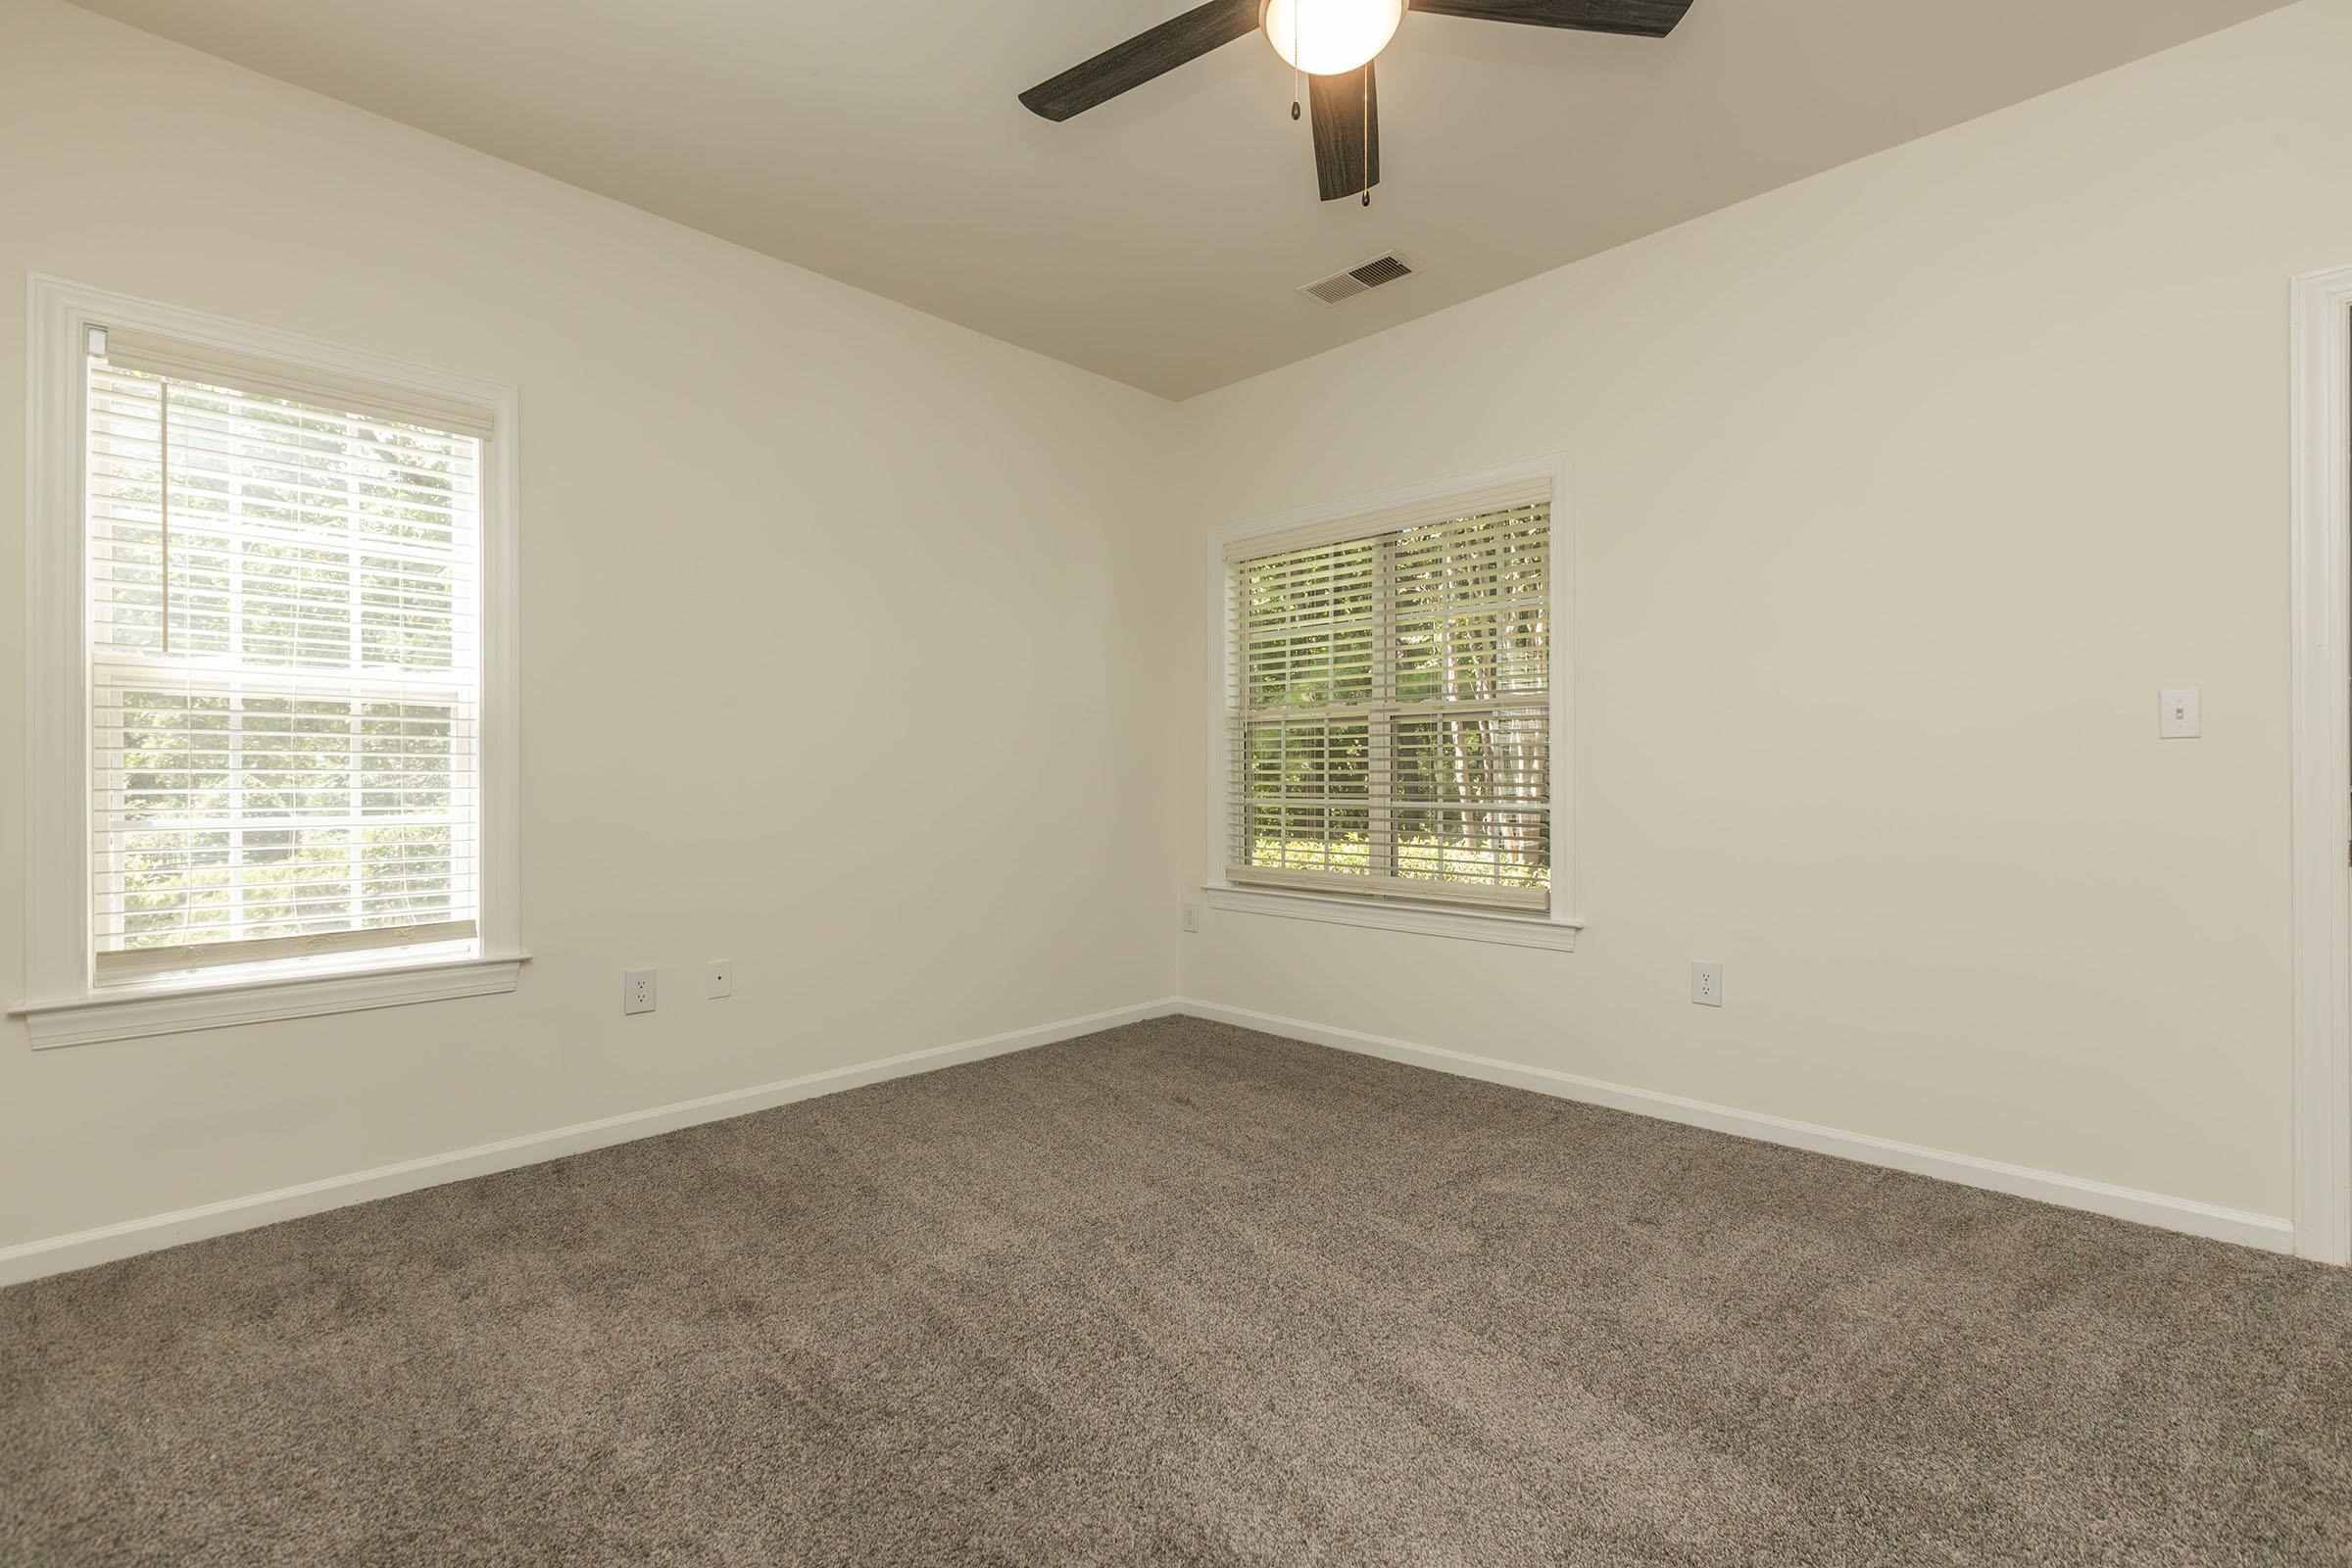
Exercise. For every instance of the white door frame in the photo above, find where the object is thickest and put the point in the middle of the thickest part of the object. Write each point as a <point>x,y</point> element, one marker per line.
<point>2323,764</point>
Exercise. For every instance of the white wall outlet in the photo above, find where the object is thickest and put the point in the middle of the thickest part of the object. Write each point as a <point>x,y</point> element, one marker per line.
<point>1192,917</point>
<point>2181,716</point>
<point>1706,984</point>
<point>637,991</point>
<point>718,978</point>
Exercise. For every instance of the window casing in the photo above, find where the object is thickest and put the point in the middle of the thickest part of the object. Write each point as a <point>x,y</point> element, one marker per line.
<point>271,747</point>
<point>1389,701</point>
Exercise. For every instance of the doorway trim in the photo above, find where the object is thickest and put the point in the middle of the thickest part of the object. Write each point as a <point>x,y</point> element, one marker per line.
<point>2321,571</point>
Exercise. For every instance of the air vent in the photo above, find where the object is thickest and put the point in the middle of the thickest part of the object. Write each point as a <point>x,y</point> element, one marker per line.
<point>1358,279</point>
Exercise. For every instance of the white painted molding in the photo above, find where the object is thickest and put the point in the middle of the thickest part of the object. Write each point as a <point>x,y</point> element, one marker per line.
<point>1511,930</point>
<point>2270,1232</point>
<point>1560,469</point>
<point>133,1015</point>
<point>57,1254</point>
<point>56,720</point>
<point>2321,600</point>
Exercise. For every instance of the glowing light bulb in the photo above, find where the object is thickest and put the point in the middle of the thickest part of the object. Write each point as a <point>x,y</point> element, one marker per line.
<point>1327,38</point>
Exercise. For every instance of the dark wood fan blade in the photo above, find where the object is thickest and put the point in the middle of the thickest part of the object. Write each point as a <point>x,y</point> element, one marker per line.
<point>1643,19</point>
<point>1143,57</point>
<point>1346,109</point>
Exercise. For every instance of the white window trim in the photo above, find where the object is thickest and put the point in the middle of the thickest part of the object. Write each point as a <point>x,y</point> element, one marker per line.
<point>1557,929</point>
<point>63,1007</point>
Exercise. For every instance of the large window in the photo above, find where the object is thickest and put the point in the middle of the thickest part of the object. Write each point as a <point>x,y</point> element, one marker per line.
<point>1390,704</point>
<point>284,648</point>
<point>281,668</point>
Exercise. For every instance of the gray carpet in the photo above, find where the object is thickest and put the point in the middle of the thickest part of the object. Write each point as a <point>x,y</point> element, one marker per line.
<point>1183,1294</point>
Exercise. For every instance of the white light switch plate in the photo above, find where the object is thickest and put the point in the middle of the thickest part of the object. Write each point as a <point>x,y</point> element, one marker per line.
<point>2181,716</point>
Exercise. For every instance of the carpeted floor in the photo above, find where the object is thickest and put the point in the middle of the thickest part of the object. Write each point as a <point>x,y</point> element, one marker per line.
<point>1183,1294</point>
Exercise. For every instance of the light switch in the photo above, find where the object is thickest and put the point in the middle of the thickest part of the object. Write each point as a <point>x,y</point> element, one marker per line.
<point>2183,715</point>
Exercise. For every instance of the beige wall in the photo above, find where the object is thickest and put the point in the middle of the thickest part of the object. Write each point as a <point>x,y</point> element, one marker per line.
<point>780,540</point>
<point>1902,493</point>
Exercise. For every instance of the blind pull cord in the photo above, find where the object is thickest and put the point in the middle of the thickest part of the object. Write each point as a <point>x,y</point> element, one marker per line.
<point>164,508</point>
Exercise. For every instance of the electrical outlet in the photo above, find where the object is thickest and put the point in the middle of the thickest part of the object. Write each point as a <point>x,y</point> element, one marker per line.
<point>1192,917</point>
<point>637,991</point>
<point>1706,984</point>
<point>718,978</point>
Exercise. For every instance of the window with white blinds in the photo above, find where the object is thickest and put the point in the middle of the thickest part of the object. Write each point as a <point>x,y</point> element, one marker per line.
<point>284,650</point>
<point>1391,706</point>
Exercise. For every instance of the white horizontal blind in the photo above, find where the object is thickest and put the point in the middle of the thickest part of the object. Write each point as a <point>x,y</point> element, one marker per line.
<point>1390,710</point>
<point>209,365</point>
<point>284,656</point>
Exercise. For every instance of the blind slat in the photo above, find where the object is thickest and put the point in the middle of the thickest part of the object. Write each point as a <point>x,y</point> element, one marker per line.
<point>144,962</point>
<point>1342,534</point>
<point>175,361</point>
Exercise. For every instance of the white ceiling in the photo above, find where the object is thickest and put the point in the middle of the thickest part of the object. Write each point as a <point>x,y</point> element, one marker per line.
<point>1161,239</point>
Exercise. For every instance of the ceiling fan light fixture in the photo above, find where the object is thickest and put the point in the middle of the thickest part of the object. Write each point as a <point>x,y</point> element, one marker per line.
<point>1330,37</point>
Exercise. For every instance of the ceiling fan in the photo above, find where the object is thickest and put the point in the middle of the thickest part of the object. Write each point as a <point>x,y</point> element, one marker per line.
<point>1332,42</point>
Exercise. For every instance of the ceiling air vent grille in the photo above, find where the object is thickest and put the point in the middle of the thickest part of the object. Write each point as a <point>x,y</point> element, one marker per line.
<point>1358,279</point>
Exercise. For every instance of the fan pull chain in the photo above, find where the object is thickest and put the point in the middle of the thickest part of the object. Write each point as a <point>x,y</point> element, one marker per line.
<point>1367,134</point>
<point>1295,95</point>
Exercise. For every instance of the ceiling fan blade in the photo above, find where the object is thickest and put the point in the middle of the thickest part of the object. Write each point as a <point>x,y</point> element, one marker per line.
<point>1347,110</point>
<point>1143,57</point>
<point>1643,18</point>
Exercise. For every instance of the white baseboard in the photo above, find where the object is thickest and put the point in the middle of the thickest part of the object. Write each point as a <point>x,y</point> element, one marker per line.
<point>83,1248</point>
<point>57,1254</point>
<point>2266,1231</point>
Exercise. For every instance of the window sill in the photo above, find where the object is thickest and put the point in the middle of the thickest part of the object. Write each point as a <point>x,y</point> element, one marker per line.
<point>1514,930</point>
<point>129,1014</point>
